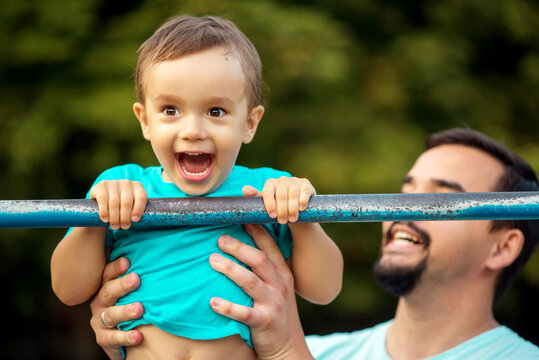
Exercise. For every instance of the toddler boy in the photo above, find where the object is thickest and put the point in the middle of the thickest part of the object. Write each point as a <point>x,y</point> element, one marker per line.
<point>198,84</point>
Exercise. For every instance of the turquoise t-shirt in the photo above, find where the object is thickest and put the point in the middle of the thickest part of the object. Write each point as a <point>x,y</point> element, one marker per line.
<point>500,343</point>
<point>177,281</point>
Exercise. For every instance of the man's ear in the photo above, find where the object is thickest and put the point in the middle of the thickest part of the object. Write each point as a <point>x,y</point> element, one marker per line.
<point>506,249</point>
<point>140,113</point>
<point>255,115</point>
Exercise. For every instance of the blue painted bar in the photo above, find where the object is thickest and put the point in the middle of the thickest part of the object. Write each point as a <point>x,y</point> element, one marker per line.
<point>167,212</point>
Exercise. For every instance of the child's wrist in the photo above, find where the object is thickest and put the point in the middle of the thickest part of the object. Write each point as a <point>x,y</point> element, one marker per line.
<point>301,226</point>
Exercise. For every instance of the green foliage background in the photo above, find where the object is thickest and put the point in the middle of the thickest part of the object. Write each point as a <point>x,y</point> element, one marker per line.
<point>353,88</point>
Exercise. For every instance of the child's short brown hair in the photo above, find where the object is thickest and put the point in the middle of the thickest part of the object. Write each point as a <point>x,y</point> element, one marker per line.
<point>184,35</point>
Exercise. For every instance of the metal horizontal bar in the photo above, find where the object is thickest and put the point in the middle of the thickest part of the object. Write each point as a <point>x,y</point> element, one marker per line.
<point>166,212</point>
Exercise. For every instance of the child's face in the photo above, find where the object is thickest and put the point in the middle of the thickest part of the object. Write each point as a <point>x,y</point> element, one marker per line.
<point>196,116</point>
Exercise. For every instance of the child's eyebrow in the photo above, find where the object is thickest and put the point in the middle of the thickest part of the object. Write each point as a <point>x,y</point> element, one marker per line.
<point>220,100</point>
<point>167,98</point>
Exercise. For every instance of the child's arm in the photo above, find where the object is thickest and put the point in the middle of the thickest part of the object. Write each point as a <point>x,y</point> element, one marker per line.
<point>78,261</point>
<point>316,260</point>
<point>317,263</point>
<point>77,264</point>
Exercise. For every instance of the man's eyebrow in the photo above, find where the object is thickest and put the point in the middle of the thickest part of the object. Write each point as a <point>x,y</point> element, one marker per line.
<point>448,184</point>
<point>407,179</point>
<point>451,185</point>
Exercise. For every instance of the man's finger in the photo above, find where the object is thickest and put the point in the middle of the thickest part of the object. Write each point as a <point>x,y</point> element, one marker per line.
<point>257,260</point>
<point>120,313</point>
<point>266,243</point>
<point>243,314</point>
<point>116,338</point>
<point>244,278</point>
<point>114,289</point>
<point>115,268</point>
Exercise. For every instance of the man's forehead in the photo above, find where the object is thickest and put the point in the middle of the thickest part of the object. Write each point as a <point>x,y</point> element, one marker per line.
<point>474,169</point>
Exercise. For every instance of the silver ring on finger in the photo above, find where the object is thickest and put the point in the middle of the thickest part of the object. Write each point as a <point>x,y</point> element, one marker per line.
<point>104,322</point>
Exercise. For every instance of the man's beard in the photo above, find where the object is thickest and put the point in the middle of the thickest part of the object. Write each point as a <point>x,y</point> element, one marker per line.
<point>399,281</point>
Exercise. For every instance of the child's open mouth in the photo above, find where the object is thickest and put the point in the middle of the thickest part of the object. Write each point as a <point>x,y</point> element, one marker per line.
<point>195,166</point>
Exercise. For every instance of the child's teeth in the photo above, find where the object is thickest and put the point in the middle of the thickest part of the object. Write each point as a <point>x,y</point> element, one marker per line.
<point>191,173</point>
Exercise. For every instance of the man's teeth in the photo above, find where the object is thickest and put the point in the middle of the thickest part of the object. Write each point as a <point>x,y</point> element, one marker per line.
<point>403,237</point>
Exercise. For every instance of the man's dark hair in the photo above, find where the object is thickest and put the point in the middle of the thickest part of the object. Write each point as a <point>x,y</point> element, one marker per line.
<point>518,176</point>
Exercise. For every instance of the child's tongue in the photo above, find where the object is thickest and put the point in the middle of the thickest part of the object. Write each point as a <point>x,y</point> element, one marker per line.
<point>195,163</point>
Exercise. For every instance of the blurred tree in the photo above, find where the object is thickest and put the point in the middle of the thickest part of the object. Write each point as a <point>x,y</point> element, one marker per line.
<point>352,89</point>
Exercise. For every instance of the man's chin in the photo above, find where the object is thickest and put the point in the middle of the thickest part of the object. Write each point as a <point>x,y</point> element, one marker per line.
<point>398,280</point>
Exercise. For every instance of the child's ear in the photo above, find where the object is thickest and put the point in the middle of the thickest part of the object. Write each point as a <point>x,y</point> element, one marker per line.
<point>506,249</point>
<point>255,115</point>
<point>140,113</point>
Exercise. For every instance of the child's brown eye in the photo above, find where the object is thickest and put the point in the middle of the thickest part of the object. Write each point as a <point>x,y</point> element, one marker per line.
<point>170,111</point>
<point>216,112</point>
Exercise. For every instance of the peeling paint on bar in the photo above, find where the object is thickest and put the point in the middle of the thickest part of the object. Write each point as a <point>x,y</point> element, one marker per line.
<point>167,212</point>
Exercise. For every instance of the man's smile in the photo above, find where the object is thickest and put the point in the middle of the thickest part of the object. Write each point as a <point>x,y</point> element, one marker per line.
<point>405,237</point>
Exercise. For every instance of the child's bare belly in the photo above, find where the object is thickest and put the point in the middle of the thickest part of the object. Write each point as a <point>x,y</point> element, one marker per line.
<point>160,345</point>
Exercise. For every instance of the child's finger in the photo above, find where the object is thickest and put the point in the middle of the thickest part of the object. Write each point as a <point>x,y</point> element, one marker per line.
<point>281,198</point>
<point>293,201</point>
<point>268,194</point>
<point>306,192</point>
<point>140,201</point>
<point>114,204</point>
<point>126,203</point>
<point>100,195</point>
<point>248,190</point>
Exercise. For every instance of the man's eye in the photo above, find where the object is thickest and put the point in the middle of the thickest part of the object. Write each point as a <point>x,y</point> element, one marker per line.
<point>216,112</point>
<point>170,111</point>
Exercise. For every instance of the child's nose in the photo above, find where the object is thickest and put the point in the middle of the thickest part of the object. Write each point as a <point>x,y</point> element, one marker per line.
<point>192,129</point>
